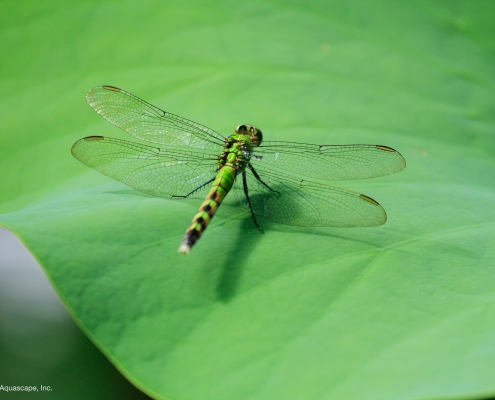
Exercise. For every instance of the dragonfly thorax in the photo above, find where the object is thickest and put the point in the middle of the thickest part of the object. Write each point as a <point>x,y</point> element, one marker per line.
<point>238,147</point>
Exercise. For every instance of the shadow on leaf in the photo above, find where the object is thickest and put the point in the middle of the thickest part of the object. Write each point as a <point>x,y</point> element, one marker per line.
<point>239,250</point>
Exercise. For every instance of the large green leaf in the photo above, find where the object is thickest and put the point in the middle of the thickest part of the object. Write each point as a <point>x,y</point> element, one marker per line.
<point>402,311</point>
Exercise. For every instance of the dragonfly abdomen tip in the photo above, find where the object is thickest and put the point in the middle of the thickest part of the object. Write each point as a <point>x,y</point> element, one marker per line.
<point>184,249</point>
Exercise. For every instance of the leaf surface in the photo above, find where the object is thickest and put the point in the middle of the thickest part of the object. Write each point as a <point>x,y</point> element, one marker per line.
<point>401,311</point>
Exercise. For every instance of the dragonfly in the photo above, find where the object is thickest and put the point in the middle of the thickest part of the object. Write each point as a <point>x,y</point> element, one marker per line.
<point>274,180</point>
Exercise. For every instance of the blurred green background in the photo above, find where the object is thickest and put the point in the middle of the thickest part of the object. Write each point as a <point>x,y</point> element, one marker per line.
<point>40,344</point>
<point>398,312</point>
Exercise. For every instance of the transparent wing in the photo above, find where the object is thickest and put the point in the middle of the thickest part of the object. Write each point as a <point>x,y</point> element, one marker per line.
<point>159,172</point>
<point>357,161</point>
<point>304,203</point>
<point>147,122</point>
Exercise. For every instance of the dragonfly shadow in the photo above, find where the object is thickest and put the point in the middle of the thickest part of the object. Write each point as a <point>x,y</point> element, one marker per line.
<point>231,271</point>
<point>129,192</point>
<point>338,233</point>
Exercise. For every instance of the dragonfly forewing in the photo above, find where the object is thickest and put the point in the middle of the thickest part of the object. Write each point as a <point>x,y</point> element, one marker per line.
<point>147,122</point>
<point>331,162</point>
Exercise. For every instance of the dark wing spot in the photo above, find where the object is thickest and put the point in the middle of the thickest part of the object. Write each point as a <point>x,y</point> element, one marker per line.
<point>369,199</point>
<point>111,88</point>
<point>385,148</point>
<point>94,138</point>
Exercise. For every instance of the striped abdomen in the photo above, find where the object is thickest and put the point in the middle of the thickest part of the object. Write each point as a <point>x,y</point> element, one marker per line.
<point>221,186</point>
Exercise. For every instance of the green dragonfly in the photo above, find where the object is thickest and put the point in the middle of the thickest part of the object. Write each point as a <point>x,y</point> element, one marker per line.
<point>270,179</point>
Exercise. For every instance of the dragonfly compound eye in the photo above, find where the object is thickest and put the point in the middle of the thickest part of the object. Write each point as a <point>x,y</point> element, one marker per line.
<point>241,129</point>
<point>257,136</point>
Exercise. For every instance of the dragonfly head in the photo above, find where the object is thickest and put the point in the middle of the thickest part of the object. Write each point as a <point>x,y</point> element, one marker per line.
<point>254,133</point>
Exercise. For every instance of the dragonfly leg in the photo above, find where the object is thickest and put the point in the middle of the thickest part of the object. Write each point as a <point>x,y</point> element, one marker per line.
<point>259,179</point>
<point>195,190</point>
<point>244,184</point>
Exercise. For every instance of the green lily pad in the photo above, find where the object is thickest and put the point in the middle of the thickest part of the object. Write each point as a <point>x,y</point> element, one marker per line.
<point>400,311</point>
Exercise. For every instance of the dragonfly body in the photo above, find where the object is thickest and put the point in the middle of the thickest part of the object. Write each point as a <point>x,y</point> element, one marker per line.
<point>274,180</point>
<point>231,162</point>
